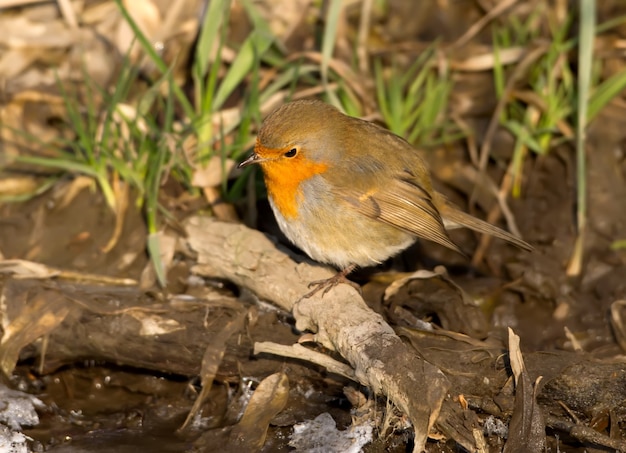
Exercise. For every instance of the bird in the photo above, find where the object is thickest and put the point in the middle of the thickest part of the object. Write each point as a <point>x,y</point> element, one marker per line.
<point>349,192</point>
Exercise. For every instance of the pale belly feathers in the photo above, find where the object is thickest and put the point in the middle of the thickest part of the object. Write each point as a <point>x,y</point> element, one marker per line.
<point>330,231</point>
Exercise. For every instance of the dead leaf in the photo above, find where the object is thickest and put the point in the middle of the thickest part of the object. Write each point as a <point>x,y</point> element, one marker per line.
<point>267,401</point>
<point>167,247</point>
<point>527,429</point>
<point>40,316</point>
<point>18,185</point>
<point>212,174</point>
<point>211,360</point>
<point>425,292</point>
<point>152,324</point>
<point>121,193</point>
<point>27,269</point>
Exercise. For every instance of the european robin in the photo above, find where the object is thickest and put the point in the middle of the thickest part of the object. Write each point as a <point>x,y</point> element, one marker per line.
<point>350,193</point>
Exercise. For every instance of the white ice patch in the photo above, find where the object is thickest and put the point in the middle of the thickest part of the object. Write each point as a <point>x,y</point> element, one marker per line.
<point>12,441</point>
<point>18,409</point>
<point>322,436</point>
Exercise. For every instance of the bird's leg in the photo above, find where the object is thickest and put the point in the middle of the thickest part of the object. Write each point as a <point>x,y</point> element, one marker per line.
<point>329,283</point>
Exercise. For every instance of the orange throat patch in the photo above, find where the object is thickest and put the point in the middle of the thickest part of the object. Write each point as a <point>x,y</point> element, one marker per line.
<point>283,178</point>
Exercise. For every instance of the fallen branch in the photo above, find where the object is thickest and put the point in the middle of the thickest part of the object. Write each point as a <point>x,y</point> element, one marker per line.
<point>341,319</point>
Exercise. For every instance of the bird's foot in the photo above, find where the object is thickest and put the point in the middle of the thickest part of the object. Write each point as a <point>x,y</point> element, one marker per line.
<point>329,283</point>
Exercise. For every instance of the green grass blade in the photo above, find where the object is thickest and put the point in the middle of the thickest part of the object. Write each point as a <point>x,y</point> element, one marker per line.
<point>255,45</point>
<point>523,135</point>
<point>605,92</point>
<point>286,78</point>
<point>209,33</point>
<point>155,170</point>
<point>154,251</point>
<point>585,58</point>
<point>66,165</point>
<point>620,244</point>
<point>155,58</point>
<point>328,46</point>
<point>383,103</point>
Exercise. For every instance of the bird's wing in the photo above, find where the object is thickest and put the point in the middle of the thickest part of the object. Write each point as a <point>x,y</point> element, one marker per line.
<point>403,204</point>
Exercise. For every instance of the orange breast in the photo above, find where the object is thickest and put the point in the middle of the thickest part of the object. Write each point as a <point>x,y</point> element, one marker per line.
<point>283,178</point>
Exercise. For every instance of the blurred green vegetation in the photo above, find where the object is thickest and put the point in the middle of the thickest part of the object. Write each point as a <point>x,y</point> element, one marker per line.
<point>170,130</point>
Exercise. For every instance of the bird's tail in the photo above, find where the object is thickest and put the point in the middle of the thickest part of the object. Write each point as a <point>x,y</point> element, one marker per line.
<point>454,217</point>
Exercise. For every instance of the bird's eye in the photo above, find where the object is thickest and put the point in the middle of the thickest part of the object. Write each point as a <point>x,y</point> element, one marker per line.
<point>292,152</point>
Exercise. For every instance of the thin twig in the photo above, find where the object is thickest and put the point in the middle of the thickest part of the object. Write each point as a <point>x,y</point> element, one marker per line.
<point>518,72</point>
<point>297,351</point>
<point>500,8</point>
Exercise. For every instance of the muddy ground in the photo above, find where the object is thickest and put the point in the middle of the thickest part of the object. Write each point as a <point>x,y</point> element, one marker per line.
<point>119,362</point>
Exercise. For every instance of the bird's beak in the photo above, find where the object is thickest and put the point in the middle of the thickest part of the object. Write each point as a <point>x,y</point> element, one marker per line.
<point>253,159</point>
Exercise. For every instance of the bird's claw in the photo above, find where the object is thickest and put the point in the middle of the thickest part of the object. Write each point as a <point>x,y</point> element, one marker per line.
<point>329,283</point>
